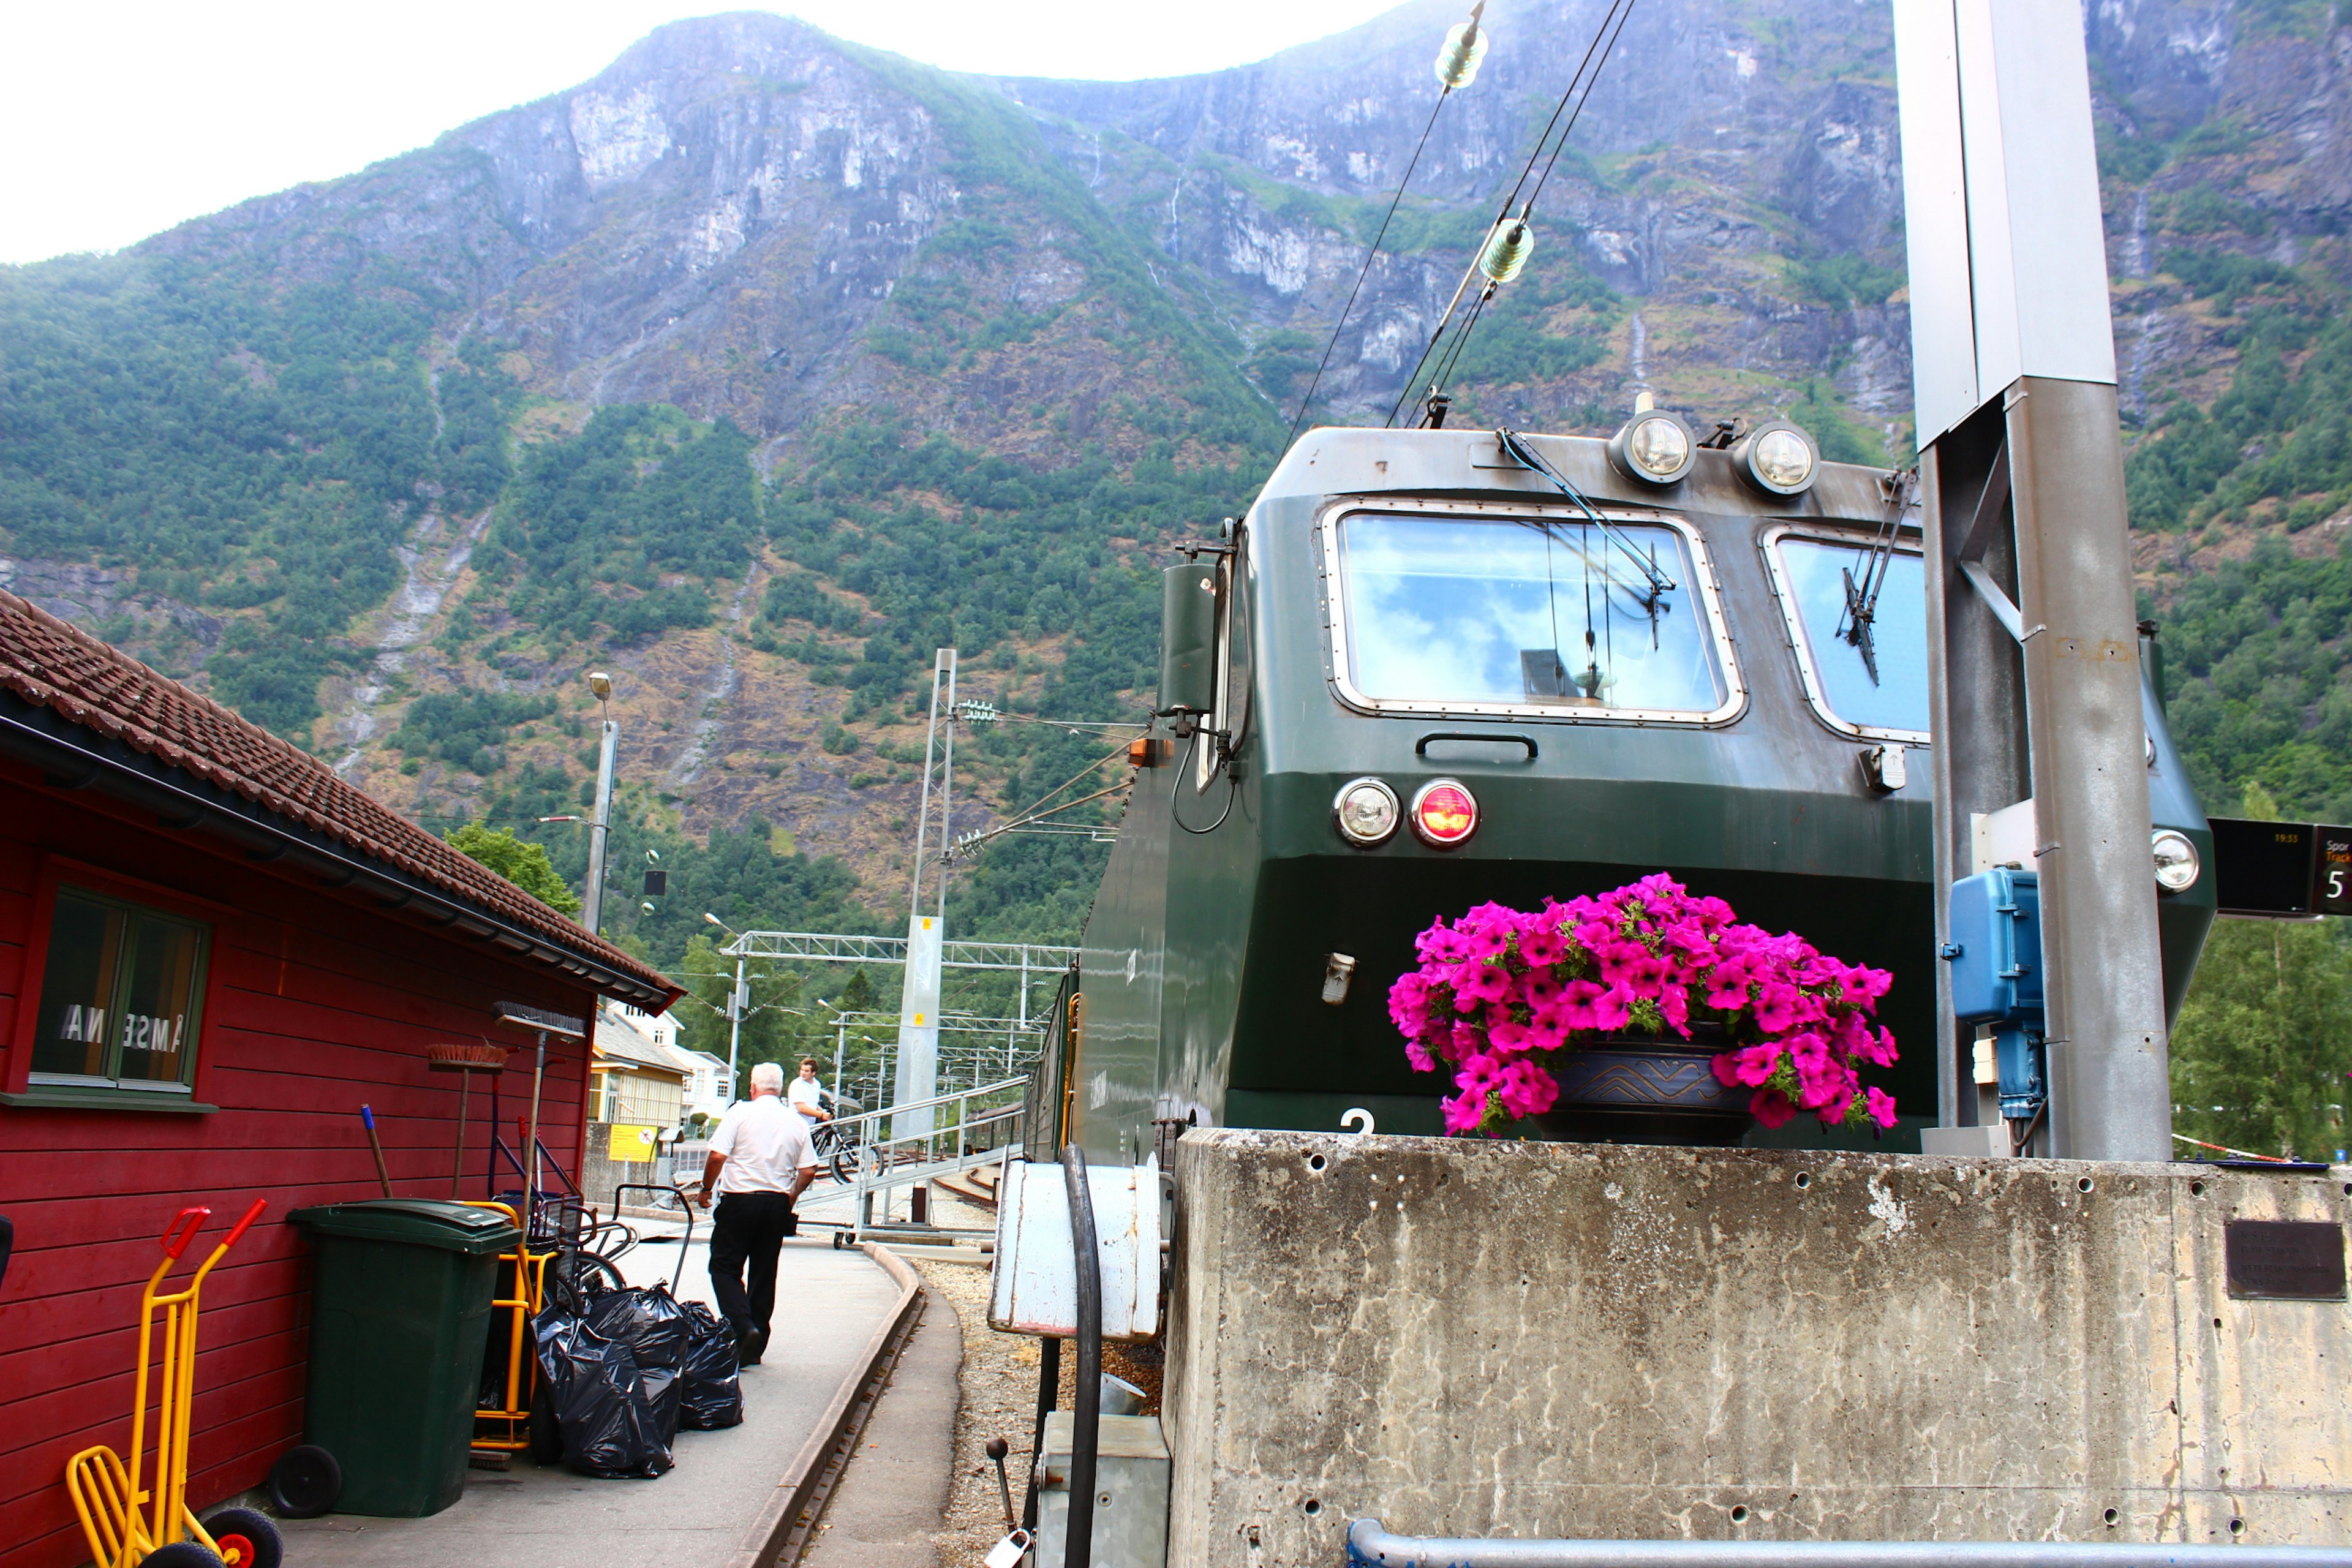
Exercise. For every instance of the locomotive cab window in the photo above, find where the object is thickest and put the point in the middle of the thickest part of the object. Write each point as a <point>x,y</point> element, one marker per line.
<point>1857,619</point>
<point>121,996</point>
<point>1557,616</point>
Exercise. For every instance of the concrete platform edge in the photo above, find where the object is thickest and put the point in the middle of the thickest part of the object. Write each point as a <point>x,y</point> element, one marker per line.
<point>800,1483</point>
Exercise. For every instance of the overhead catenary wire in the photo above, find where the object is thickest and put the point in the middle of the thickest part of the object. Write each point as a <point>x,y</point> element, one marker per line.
<point>1572,99</point>
<point>1457,65</point>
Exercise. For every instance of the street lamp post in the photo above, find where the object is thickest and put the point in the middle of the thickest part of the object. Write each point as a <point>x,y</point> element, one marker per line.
<point>735,999</point>
<point>601,824</point>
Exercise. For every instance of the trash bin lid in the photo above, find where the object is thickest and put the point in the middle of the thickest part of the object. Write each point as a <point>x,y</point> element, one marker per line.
<point>421,1222</point>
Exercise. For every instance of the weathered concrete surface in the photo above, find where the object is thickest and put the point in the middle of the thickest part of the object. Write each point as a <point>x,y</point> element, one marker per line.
<point>1601,1340</point>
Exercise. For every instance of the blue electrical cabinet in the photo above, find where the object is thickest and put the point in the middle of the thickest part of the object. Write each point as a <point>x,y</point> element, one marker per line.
<point>1996,958</point>
<point>1996,947</point>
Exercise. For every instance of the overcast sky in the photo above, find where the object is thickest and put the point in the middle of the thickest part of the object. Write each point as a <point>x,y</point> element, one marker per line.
<point>120,119</point>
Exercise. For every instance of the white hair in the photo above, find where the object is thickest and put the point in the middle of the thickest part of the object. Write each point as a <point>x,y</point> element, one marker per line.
<point>768,1076</point>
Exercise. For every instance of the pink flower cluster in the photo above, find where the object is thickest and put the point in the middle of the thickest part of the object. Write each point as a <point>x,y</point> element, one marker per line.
<point>1499,985</point>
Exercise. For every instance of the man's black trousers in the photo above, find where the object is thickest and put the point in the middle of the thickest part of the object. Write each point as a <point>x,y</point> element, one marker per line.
<point>749,1228</point>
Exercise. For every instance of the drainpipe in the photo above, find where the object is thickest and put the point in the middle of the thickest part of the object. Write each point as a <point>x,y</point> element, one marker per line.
<point>1371,1546</point>
<point>1086,1410</point>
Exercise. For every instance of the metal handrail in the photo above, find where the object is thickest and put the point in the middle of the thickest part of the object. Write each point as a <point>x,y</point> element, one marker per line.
<point>1371,1546</point>
<point>962,1094</point>
<point>906,1159</point>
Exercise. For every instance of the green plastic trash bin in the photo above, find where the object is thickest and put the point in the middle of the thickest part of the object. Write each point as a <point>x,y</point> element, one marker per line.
<point>400,1307</point>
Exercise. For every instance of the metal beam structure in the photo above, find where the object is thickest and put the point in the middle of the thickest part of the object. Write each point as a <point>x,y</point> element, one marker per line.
<point>836,947</point>
<point>2034,681</point>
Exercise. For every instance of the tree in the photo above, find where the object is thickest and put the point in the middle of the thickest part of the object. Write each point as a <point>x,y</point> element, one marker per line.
<point>525,865</point>
<point>2261,1051</point>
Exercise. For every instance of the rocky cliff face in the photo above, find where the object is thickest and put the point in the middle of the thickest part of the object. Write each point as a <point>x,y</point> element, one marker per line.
<point>756,223</point>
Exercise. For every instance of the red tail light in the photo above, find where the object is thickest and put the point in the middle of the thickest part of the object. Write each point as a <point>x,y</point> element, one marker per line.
<point>1444,813</point>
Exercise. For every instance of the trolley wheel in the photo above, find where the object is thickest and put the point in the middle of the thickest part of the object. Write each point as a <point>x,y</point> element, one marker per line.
<point>182,1554</point>
<point>246,1538</point>
<point>546,1437</point>
<point>840,1240</point>
<point>304,1483</point>
<point>578,1281</point>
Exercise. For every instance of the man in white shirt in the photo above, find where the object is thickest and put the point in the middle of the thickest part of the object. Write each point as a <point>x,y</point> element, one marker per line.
<point>807,1095</point>
<point>759,1162</point>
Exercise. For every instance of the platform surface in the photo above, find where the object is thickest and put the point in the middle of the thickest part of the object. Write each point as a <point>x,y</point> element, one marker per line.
<point>828,1305</point>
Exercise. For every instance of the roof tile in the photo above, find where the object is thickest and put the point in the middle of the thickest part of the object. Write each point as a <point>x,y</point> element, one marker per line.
<point>60,667</point>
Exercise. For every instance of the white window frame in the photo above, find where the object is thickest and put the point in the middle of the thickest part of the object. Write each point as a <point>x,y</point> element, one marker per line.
<point>1704,585</point>
<point>1792,624</point>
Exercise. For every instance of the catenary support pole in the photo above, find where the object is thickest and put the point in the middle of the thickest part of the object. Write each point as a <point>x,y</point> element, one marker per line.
<point>2033,649</point>
<point>599,825</point>
<point>735,1030</point>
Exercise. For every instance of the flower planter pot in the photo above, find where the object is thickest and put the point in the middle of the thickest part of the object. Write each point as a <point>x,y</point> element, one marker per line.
<point>1641,1090</point>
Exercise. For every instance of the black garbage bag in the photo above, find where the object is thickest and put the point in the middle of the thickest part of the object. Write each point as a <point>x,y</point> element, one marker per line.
<point>665,1388</point>
<point>602,1405</point>
<point>711,1392</point>
<point>647,1319</point>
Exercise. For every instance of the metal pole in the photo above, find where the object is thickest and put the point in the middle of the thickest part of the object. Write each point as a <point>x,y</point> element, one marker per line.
<point>2033,663</point>
<point>734,1027</point>
<point>537,1076</point>
<point>598,826</point>
<point>2110,1084</point>
<point>1370,1544</point>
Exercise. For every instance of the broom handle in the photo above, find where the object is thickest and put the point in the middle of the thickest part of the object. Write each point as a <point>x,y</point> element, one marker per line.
<point>376,1144</point>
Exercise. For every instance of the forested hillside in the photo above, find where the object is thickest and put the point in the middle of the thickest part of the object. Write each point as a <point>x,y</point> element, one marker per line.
<point>761,366</point>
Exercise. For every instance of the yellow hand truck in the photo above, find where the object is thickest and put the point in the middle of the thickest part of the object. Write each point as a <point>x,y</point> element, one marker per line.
<point>505,1427</point>
<point>106,1490</point>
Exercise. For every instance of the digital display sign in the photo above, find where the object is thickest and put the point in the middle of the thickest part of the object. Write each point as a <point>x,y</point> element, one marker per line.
<point>2285,870</point>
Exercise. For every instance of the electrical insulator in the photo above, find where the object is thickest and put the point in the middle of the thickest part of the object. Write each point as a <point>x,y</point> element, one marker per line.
<point>1458,57</point>
<point>972,713</point>
<point>1505,254</point>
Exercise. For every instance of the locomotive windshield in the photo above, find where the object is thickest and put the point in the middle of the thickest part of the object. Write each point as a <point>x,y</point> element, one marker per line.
<point>1875,679</point>
<point>1568,614</point>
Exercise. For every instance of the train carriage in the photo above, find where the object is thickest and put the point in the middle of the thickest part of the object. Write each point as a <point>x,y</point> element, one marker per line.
<point>1433,668</point>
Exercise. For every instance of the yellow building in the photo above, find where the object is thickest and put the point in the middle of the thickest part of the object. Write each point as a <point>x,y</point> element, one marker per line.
<point>638,1076</point>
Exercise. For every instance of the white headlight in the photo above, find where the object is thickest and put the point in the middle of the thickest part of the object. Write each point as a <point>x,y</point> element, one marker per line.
<point>1777,459</point>
<point>1366,812</point>
<point>1653,446</point>
<point>2176,860</point>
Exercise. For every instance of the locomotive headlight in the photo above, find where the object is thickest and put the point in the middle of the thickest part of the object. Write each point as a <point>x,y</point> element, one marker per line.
<point>1653,446</point>
<point>2176,860</point>
<point>1777,459</point>
<point>1444,813</point>
<point>1366,811</point>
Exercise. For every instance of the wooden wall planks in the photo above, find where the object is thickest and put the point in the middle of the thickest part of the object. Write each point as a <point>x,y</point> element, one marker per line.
<point>316,1003</point>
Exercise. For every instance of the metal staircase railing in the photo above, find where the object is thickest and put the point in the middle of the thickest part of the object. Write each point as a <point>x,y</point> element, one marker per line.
<point>943,1136</point>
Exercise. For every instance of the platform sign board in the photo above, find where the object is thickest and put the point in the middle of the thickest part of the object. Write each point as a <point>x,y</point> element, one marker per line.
<point>2331,892</point>
<point>2283,1260</point>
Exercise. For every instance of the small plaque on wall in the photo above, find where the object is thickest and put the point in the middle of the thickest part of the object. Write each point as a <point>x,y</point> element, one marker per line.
<point>2284,1260</point>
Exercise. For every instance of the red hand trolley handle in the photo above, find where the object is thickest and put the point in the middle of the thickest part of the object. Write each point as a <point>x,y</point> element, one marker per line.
<point>182,1230</point>
<point>242,1226</point>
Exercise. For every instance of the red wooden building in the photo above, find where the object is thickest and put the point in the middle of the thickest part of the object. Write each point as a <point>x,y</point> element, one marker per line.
<point>213,952</point>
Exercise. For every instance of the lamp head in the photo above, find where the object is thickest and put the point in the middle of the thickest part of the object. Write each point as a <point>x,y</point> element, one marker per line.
<point>601,684</point>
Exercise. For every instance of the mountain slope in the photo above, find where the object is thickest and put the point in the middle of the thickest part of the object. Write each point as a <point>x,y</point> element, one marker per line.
<point>762,364</point>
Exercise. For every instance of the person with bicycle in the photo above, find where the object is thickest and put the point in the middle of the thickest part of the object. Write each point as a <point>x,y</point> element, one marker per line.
<point>759,1161</point>
<point>808,1096</point>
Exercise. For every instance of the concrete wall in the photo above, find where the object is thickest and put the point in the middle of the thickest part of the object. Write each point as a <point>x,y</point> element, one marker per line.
<point>1574,1340</point>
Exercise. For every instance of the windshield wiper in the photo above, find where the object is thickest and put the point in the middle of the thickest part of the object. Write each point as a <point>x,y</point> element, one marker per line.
<point>1527,456</point>
<point>1856,623</point>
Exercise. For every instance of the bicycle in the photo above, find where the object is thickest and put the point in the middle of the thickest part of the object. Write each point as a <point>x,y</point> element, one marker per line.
<point>834,1148</point>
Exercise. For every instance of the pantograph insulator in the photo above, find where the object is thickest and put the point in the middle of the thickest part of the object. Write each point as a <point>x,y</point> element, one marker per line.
<point>1458,57</point>
<point>1505,254</point>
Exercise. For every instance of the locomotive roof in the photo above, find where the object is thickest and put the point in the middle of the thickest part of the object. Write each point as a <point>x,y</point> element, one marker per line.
<point>1349,460</point>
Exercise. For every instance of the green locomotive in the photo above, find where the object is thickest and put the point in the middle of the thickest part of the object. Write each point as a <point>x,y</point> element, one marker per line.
<point>1433,667</point>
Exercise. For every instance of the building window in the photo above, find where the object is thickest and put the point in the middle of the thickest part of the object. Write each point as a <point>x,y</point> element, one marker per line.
<point>121,996</point>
